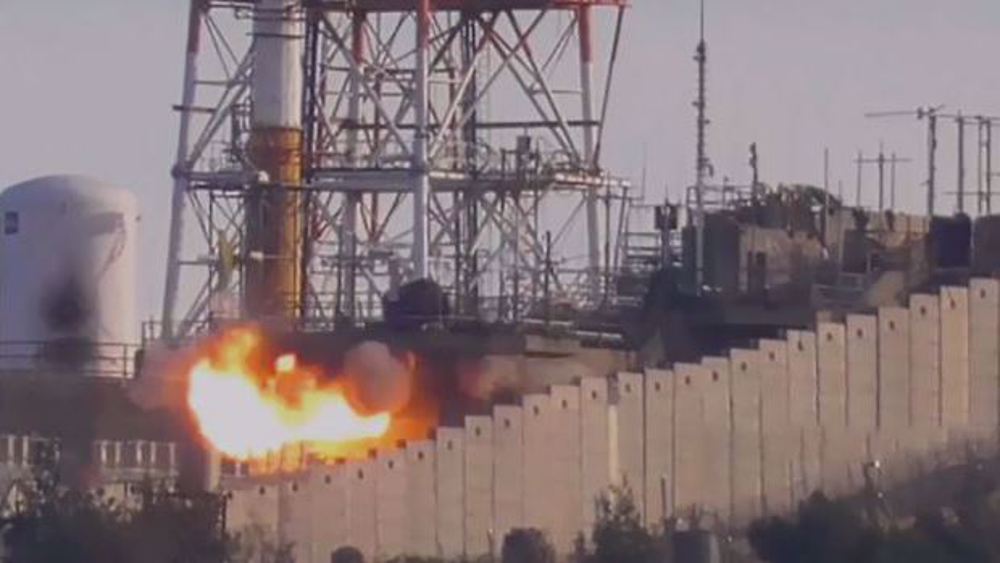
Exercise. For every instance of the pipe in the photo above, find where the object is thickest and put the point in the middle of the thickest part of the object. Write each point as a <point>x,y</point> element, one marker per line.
<point>180,170</point>
<point>274,216</point>
<point>585,31</point>
<point>354,161</point>
<point>421,164</point>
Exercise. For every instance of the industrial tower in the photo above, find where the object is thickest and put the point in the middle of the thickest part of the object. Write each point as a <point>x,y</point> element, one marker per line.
<point>332,150</point>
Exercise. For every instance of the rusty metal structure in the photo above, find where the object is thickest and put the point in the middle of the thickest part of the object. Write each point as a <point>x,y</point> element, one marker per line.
<point>331,151</point>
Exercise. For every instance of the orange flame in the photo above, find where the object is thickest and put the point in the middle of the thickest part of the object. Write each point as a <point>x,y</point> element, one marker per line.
<point>248,409</point>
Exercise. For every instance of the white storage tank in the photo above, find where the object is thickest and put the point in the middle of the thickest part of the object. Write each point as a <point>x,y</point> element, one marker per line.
<point>68,277</point>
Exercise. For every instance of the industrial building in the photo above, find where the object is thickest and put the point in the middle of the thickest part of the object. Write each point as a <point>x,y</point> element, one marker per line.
<point>397,212</point>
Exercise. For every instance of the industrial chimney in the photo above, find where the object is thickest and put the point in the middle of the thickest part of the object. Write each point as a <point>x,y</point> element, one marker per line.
<point>273,212</point>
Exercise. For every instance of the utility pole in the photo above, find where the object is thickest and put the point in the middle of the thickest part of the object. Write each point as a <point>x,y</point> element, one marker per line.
<point>988,149</point>
<point>881,161</point>
<point>893,161</point>
<point>985,165</point>
<point>960,194</point>
<point>824,223</point>
<point>860,161</point>
<point>931,114</point>
<point>985,132</point>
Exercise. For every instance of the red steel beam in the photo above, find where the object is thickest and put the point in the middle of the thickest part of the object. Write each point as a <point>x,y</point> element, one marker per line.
<point>459,5</point>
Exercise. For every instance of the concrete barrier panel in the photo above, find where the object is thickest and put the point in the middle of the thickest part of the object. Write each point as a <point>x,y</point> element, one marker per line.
<point>746,470</point>
<point>803,412</point>
<point>690,486</point>
<point>478,485</point>
<point>984,355</point>
<point>955,357</point>
<point>832,358</point>
<point>391,524</point>
<point>565,489</point>
<point>508,469</point>
<point>717,436</point>
<point>925,361</point>
<point>254,504</point>
<point>327,487</point>
<point>893,369</point>
<point>449,478</point>
<point>538,474</point>
<point>779,443</point>
<point>888,448</point>
<point>862,367</point>
<point>361,506</point>
<point>803,381</point>
<point>596,449</point>
<point>629,405</point>
<point>843,452</point>
<point>294,518</point>
<point>807,472</point>
<point>420,499</point>
<point>659,445</point>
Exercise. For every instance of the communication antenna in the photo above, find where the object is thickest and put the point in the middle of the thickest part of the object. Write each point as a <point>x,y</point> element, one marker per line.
<point>884,164</point>
<point>703,167</point>
<point>931,114</point>
<point>985,164</point>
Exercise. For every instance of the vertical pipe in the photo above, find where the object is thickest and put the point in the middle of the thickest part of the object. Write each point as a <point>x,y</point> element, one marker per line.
<point>585,32</point>
<point>274,218</point>
<point>350,232</point>
<point>468,222</point>
<point>421,165</point>
<point>179,172</point>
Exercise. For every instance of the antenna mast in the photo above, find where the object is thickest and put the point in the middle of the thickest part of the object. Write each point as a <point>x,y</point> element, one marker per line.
<point>703,168</point>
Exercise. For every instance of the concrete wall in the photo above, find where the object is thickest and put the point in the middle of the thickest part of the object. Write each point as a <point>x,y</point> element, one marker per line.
<point>893,368</point>
<point>729,438</point>
<point>831,356</point>
<point>925,361</point>
<point>984,355</point>
<point>659,446</point>
<point>955,358</point>
<point>746,483</point>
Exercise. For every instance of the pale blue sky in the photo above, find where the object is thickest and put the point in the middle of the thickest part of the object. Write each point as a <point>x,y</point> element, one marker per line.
<point>87,88</point>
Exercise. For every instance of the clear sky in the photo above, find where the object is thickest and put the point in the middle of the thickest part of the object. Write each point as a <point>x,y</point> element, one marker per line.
<point>87,88</point>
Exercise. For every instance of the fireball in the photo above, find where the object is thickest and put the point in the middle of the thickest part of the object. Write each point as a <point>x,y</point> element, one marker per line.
<point>247,407</point>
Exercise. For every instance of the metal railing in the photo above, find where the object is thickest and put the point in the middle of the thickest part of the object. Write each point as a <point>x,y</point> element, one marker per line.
<point>89,359</point>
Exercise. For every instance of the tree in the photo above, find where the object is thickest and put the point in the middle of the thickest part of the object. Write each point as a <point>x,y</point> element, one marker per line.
<point>619,536</point>
<point>527,545</point>
<point>825,531</point>
<point>347,554</point>
<point>256,544</point>
<point>52,523</point>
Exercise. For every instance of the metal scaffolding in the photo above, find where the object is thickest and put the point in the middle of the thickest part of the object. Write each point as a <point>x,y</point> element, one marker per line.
<point>458,141</point>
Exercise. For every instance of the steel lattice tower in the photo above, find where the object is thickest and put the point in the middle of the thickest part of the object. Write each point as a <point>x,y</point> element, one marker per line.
<point>349,146</point>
